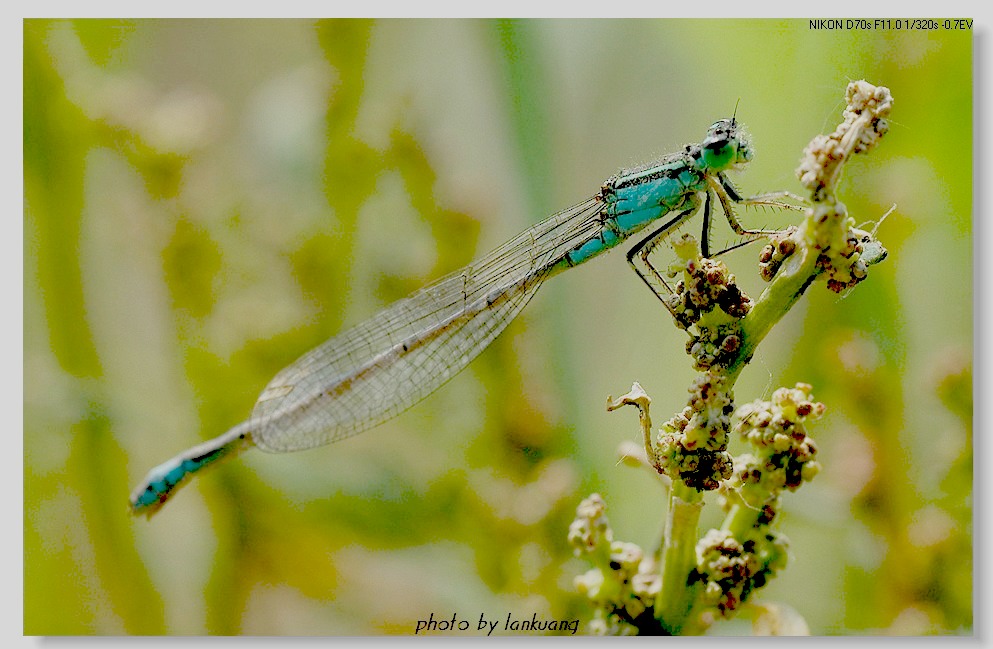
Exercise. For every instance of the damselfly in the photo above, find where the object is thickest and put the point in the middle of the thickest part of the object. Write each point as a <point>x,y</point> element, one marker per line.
<point>383,366</point>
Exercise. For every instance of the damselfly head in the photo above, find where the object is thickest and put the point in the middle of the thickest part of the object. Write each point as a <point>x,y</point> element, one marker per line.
<point>725,146</point>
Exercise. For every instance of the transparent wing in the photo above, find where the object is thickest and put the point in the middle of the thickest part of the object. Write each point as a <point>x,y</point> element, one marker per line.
<point>381,367</point>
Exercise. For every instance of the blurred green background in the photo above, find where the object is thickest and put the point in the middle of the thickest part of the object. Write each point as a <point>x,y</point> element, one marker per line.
<point>206,200</point>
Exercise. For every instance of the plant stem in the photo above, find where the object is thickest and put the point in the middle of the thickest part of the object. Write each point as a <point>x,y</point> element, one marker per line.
<point>675,599</point>
<point>797,273</point>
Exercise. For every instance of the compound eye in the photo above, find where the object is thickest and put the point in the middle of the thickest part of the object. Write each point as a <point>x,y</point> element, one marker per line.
<point>716,143</point>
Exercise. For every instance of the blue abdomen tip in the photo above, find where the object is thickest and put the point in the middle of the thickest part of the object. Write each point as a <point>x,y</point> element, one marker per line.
<point>162,481</point>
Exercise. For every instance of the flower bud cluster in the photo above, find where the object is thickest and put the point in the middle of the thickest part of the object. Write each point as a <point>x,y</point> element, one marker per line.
<point>692,446</point>
<point>590,529</point>
<point>785,456</point>
<point>623,585</point>
<point>841,261</point>
<point>828,228</point>
<point>730,569</point>
<point>781,245</point>
<point>706,295</point>
<point>864,124</point>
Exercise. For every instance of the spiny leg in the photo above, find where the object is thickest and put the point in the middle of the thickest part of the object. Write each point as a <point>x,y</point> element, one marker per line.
<point>727,194</point>
<point>705,230</point>
<point>740,244</point>
<point>753,235</point>
<point>774,199</point>
<point>642,250</point>
<point>769,198</point>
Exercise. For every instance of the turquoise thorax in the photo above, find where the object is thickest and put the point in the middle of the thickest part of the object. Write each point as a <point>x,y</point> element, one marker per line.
<point>633,199</point>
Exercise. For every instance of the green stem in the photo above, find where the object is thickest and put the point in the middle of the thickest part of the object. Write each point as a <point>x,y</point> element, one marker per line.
<point>675,599</point>
<point>776,300</point>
